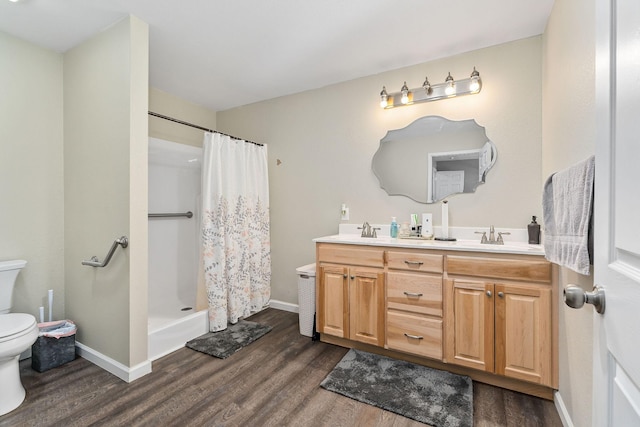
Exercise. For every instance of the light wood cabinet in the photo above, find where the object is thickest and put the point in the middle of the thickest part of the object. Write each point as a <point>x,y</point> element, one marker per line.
<point>523,332</point>
<point>333,297</point>
<point>351,297</point>
<point>490,316</point>
<point>414,303</point>
<point>366,305</point>
<point>471,328</point>
<point>503,327</point>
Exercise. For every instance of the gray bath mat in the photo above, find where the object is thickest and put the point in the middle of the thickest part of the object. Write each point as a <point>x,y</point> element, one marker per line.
<point>434,397</point>
<point>223,344</point>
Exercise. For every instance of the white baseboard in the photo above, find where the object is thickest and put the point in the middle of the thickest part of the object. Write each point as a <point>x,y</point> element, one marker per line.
<point>286,306</point>
<point>562,410</point>
<point>121,371</point>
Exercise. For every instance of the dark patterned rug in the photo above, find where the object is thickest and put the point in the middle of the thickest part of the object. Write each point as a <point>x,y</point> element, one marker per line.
<point>223,344</point>
<point>434,397</point>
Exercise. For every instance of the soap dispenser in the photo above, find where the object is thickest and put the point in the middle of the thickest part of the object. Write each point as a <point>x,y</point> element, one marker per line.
<point>534,231</point>
<point>393,230</point>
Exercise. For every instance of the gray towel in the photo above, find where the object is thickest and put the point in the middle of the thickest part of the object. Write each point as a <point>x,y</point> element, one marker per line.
<point>567,205</point>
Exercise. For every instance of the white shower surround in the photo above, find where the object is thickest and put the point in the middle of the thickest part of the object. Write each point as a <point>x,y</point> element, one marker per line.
<point>174,186</point>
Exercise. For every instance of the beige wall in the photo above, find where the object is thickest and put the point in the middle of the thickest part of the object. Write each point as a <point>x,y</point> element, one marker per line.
<point>105,154</point>
<point>568,136</point>
<point>326,138</point>
<point>31,171</point>
<point>168,105</point>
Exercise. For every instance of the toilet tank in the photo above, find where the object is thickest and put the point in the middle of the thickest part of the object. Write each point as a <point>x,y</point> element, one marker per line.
<point>8,272</point>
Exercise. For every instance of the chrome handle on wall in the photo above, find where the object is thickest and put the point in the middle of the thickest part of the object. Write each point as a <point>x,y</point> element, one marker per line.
<point>95,262</point>
<point>575,297</point>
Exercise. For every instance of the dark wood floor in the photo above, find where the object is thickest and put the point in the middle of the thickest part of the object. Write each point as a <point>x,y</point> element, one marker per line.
<point>273,382</point>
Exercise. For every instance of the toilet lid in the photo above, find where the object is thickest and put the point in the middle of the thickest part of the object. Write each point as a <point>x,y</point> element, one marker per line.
<point>14,323</point>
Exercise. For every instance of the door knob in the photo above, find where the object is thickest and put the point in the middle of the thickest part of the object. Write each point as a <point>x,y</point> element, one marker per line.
<point>575,297</point>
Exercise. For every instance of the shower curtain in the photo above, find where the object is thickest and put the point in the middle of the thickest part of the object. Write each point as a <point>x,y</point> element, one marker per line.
<point>236,252</point>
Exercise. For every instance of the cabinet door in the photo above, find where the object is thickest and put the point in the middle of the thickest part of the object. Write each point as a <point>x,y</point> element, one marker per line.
<point>366,305</point>
<point>332,301</point>
<point>523,332</point>
<point>471,328</point>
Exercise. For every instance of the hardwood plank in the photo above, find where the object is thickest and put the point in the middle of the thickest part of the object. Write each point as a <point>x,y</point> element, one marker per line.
<point>273,382</point>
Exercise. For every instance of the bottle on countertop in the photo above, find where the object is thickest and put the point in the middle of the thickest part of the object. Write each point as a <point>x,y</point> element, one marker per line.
<point>534,231</point>
<point>393,231</point>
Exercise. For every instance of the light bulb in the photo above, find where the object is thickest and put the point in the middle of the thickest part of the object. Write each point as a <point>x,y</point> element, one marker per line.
<point>474,85</point>
<point>451,88</point>
<point>384,98</point>
<point>405,94</point>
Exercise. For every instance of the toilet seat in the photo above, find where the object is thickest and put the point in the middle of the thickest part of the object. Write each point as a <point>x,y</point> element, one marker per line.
<point>13,325</point>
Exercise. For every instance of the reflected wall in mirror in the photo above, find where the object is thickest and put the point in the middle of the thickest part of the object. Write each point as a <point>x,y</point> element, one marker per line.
<point>434,158</point>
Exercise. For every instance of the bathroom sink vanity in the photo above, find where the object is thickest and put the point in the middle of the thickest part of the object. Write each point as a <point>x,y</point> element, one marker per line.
<point>484,311</point>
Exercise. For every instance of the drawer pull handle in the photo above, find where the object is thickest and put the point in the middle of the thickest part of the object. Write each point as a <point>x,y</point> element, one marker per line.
<point>412,294</point>
<point>415,337</point>
<point>413,262</point>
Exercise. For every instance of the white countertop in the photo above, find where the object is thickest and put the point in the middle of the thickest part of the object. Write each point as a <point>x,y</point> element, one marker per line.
<point>459,245</point>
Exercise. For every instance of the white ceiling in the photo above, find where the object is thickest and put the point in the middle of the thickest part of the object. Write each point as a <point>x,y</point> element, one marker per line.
<point>226,53</point>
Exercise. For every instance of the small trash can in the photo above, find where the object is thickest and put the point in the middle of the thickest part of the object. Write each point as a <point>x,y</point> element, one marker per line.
<point>306,298</point>
<point>55,346</point>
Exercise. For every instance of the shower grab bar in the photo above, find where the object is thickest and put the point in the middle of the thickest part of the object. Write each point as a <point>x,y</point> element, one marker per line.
<point>95,262</point>
<point>188,214</point>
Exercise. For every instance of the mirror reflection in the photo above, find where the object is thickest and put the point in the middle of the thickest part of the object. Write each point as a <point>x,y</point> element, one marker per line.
<point>434,158</point>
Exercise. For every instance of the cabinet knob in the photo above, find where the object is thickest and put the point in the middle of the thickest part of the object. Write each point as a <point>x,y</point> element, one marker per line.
<point>489,294</point>
<point>353,277</point>
<point>501,294</point>
<point>344,275</point>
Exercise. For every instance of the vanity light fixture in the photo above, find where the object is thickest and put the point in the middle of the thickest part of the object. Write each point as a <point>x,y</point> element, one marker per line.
<point>450,88</point>
<point>404,97</point>
<point>384,97</point>
<point>426,85</point>
<point>474,84</point>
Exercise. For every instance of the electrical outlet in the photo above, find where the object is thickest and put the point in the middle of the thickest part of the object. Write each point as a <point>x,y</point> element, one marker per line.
<point>345,214</point>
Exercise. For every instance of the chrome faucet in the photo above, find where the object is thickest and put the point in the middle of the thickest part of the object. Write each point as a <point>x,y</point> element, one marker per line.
<point>368,231</point>
<point>492,237</point>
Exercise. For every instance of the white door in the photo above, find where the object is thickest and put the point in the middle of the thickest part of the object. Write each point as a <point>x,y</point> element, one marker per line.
<point>616,387</point>
<point>448,182</point>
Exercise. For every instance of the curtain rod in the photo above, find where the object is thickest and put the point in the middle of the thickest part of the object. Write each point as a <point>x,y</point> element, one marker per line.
<point>171,119</point>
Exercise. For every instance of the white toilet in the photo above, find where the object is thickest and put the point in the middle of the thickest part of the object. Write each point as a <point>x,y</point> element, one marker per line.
<point>18,331</point>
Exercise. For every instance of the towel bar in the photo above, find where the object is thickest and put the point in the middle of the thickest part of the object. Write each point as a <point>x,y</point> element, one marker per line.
<point>188,214</point>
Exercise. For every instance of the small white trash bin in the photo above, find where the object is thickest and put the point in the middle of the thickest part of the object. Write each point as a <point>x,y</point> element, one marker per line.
<point>306,298</point>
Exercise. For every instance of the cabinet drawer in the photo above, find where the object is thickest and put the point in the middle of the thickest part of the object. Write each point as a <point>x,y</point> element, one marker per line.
<point>415,292</point>
<point>516,269</point>
<point>414,334</point>
<point>350,254</point>
<point>414,261</point>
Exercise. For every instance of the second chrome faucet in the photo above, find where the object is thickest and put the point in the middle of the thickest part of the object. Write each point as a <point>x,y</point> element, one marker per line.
<point>491,240</point>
